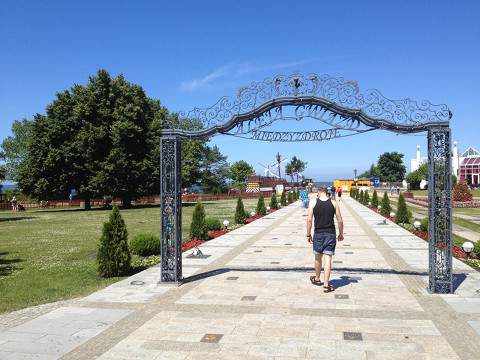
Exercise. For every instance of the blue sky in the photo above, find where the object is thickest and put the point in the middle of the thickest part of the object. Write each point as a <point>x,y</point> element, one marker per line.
<point>189,53</point>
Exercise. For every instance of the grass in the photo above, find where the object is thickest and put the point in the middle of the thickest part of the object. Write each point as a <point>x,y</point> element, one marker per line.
<point>48,256</point>
<point>467,224</point>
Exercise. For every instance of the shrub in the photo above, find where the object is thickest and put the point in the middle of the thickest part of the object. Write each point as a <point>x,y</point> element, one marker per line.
<point>240,214</point>
<point>273,201</point>
<point>261,208</point>
<point>290,197</point>
<point>424,224</point>
<point>212,224</point>
<point>375,199</point>
<point>360,197</point>
<point>476,249</point>
<point>113,255</point>
<point>386,208</point>
<point>402,215</point>
<point>462,192</point>
<point>283,199</point>
<point>197,227</point>
<point>140,263</point>
<point>366,198</point>
<point>145,245</point>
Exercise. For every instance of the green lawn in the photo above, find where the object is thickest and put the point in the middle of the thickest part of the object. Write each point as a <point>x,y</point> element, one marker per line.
<point>47,256</point>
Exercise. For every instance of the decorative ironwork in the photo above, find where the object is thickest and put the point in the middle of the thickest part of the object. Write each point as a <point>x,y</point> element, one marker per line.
<point>171,210</point>
<point>332,101</point>
<point>440,209</point>
<point>342,97</point>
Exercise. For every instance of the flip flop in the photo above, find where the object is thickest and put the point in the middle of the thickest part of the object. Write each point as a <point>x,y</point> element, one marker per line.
<point>327,289</point>
<point>315,282</point>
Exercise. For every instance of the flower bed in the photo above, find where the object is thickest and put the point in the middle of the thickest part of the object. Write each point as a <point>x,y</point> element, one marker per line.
<point>252,218</point>
<point>191,244</point>
<point>456,204</point>
<point>216,233</point>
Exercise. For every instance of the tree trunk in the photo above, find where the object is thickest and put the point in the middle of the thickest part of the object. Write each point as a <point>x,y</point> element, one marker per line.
<point>87,205</point>
<point>126,202</point>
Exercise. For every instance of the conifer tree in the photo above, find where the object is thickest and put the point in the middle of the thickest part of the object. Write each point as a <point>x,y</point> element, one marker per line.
<point>290,197</point>
<point>283,199</point>
<point>402,216</point>
<point>375,199</point>
<point>273,202</point>
<point>240,212</point>
<point>261,209</point>
<point>198,229</point>
<point>113,255</point>
<point>386,208</point>
<point>360,198</point>
<point>366,198</point>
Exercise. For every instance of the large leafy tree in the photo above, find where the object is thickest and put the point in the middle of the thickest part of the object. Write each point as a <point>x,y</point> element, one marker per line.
<point>373,172</point>
<point>239,172</point>
<point>215,170</point>
<point>96,139</point>
<point>14,147</point>
<point>415,177</point>
<point>390,167</point>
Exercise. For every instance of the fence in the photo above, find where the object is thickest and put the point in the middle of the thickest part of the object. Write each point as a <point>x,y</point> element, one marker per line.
<point>145,200</point>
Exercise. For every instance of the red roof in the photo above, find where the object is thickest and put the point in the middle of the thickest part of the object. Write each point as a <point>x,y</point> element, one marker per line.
<point>471,161</point>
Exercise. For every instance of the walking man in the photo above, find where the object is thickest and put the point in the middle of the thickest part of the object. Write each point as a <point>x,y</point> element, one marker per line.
<point>321,211</point>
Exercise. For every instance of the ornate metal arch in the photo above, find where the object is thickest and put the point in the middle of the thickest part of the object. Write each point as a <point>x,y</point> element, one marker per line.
<point>333,101</point>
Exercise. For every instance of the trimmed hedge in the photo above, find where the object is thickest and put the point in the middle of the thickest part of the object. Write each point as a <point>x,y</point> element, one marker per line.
<point>145,245</point>
<point>213,224</point>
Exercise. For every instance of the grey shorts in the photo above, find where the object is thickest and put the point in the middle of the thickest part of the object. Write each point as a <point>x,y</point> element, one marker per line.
<point>324,243</point>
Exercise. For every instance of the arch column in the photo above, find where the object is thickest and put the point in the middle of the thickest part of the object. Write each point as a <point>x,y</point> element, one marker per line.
<point>170,210</point>
<point>439,210</point>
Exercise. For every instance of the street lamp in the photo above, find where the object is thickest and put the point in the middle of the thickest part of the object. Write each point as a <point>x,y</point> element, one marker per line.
<point>354,174</point>
<point>268,208</point>
<point>379,207</point>
<point>392,213</point>
<point>225,224</point>
<point>417,224</point>
<point>252,213</point>
<point>468,248</point>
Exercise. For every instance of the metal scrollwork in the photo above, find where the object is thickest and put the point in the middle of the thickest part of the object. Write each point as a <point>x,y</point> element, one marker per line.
<point>345,94</point>
<point>171,209</point>
<point>440,226</point>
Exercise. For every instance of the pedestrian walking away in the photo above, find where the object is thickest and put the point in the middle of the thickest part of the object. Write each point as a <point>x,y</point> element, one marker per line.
<point>321,212</point>
<point>339,193</point>
<point>334,191</point>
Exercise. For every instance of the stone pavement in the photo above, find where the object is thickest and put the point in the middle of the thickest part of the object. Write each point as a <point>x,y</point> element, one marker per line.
<point>251,299</point>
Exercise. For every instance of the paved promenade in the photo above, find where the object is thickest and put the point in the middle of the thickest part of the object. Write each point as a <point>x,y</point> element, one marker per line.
<point>251,298</point>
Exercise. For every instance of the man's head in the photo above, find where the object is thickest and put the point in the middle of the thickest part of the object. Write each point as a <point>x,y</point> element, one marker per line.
<point>322,190</point>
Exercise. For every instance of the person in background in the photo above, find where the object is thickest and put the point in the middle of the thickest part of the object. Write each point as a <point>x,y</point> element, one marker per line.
<point>14,203</point>
<point>339,193</point>
<point>334,191</point>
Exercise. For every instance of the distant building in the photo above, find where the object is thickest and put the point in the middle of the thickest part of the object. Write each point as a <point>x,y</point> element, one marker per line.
<point>418,161</point>
<point>465,166</point>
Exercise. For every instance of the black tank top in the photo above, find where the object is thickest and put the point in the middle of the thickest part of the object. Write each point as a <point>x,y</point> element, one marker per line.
<point>323,213</point>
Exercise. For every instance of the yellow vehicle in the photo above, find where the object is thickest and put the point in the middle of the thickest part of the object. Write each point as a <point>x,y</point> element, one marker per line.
<point>347,185</point>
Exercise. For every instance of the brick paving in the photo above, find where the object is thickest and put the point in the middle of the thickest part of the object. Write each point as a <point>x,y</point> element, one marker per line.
<point>252,299</point>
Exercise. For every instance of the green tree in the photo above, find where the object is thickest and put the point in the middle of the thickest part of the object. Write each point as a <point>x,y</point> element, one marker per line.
<point>197,227</point>
<point>403,215</point>
<point>239,172</point>
<point>295,167</point>
<point>290,197</point>
<point>113,255</point>
<point>374,199</point>
<point>386,208</point>
<point>273,202</point>
<point>366,198</point>
<point>93,138</point>
<point>371,173</point>
<point>390,167</point>
<point>415,177</point>
<point>240,212</point>
<point>283,199</point>
<point>261,208</point>
<point>14,147</point>
<point>215,171</point>
<point>360,198</point>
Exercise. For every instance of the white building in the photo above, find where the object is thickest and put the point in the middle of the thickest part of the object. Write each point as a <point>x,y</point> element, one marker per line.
<point>461,163</point>
<point>418,161</point>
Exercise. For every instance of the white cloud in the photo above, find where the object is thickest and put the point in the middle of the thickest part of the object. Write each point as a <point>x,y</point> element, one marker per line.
<point>233,71</point>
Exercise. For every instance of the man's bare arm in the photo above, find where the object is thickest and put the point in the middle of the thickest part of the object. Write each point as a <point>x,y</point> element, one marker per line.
<point>310,220</point>
<point>339,221</point>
